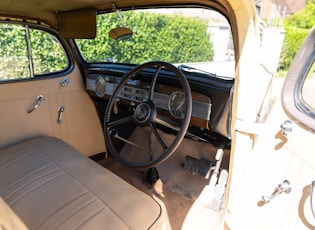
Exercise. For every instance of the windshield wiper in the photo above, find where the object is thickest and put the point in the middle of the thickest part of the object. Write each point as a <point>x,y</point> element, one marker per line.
<point>190,69</point>
<point>193,69</point>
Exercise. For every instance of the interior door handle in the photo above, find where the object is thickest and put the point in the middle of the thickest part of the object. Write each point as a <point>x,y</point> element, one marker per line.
<point>39,100</point>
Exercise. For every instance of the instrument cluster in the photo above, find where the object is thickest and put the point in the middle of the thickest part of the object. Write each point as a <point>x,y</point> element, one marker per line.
<point>167,98</point>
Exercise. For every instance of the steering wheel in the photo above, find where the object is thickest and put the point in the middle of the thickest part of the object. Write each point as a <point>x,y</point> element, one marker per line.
<point>146,114</point>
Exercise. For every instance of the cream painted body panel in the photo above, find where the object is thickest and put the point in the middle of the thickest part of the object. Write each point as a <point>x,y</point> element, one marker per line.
<point>80,128</point>
<point>259,163</point>
<point>275,158</point>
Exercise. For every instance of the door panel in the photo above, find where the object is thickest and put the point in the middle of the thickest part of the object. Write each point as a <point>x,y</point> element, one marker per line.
<point>275,158</point>
<point>80,127</point>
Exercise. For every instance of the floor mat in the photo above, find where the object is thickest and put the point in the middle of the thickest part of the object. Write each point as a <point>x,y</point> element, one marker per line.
<point>180,187</point>
<point>173,174</point>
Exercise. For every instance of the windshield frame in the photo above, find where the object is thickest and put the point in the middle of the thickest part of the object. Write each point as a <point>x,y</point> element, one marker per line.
<point>111,59</point>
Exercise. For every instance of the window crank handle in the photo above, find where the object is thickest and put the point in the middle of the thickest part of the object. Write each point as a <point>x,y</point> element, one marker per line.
<point>61,109</point>
<point>283,187</point>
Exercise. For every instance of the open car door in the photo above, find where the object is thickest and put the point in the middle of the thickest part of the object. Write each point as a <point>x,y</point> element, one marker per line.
<point>275,186</point>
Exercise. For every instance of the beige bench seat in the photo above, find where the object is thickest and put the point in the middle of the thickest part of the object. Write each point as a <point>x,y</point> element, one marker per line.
<point>50,185</point>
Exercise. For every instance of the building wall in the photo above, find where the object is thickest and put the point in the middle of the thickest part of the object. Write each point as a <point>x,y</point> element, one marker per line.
<point>278,9</point>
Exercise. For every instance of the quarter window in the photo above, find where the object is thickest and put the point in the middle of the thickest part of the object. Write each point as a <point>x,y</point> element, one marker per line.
<point>28,52</point>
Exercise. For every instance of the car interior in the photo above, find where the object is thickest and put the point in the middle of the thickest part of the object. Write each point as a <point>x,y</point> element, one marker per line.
<point>115,115</point>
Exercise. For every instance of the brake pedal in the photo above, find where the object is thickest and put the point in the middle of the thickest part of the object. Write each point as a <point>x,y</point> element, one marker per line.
<point>200,167</point>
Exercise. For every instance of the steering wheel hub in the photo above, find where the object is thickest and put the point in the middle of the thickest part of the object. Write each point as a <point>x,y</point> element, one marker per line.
<point>144,114</point>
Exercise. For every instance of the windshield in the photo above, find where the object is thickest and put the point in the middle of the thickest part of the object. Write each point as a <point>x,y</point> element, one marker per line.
<point>195,37</point>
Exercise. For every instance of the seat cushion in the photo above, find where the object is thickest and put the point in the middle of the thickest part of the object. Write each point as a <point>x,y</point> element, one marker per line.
<point>49,185</point>
<point>8,219</point>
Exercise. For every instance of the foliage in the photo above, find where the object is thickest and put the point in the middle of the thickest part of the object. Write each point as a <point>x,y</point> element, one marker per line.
<point>297,27</point>
<point>13,52</point>
<point>173,39</point>
<point>293,40</point>
<point>47,54</point>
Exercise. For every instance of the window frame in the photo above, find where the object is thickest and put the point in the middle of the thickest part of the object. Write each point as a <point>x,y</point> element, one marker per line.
<point>231,43</point>
<point>292,100</point>
<point>301,103</point>
<point>63,43</point>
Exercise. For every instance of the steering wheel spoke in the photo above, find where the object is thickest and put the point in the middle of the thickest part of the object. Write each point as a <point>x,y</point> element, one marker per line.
<point>153,83</point>
<point>120,121</point>
<point>158,136</point>
<point>164,121</point>
<point>135,145</point>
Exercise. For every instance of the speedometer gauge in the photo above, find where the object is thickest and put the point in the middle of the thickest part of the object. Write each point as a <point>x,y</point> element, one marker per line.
<point>176,105</point>
<point>100,86</point>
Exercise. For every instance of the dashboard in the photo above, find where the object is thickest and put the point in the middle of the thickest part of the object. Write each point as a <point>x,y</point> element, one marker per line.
<point>168,100</point>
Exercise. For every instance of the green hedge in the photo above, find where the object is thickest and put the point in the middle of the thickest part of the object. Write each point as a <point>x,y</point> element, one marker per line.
<point>47,54</point>
<point>189,42</point>
<point>297,27</point>
<point>176,39</point>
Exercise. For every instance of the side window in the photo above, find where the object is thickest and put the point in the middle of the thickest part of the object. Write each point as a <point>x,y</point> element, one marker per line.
<point>27,52</point>
<point>47,53</point>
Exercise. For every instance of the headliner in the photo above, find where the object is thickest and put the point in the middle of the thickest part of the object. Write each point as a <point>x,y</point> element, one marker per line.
<point>47,10</point>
